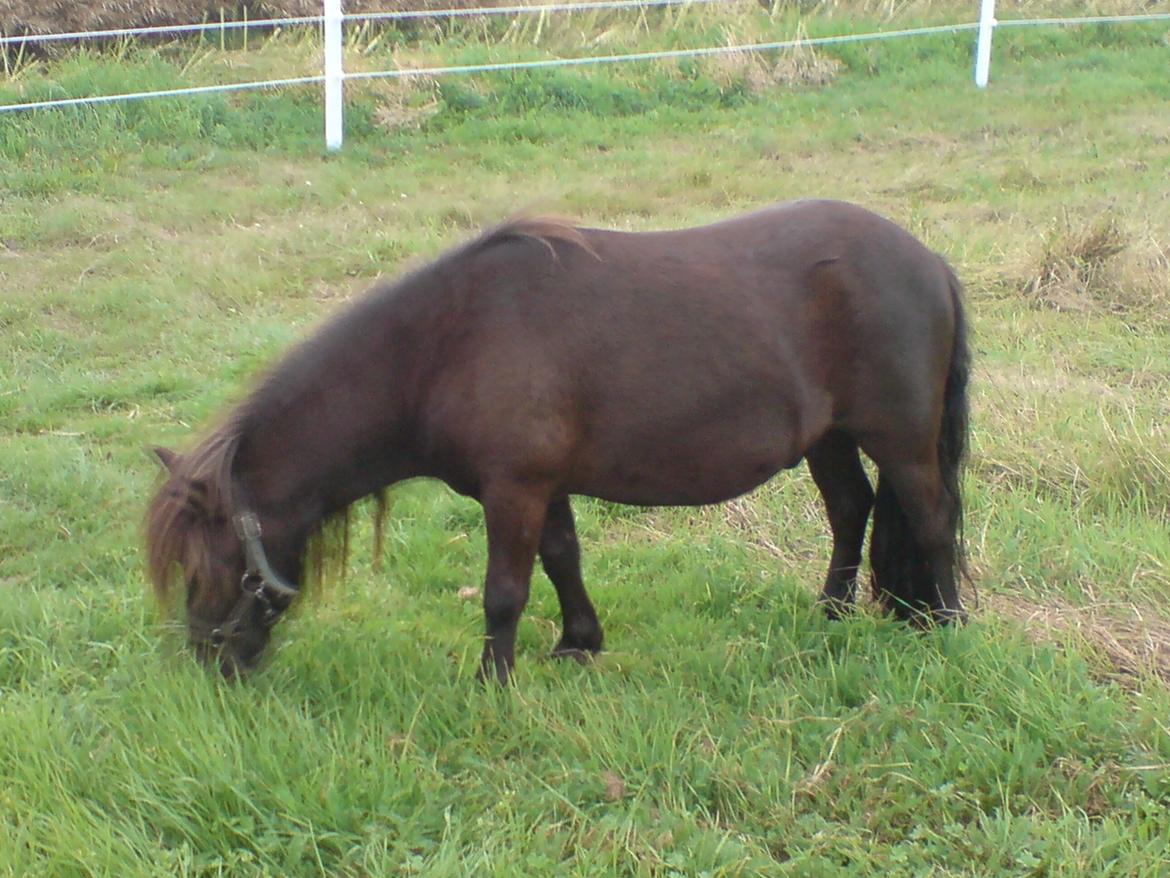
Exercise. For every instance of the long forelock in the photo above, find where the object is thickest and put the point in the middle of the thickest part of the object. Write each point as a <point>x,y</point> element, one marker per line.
<point>197,491</point>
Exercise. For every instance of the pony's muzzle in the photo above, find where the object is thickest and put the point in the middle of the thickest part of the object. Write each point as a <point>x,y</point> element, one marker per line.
<point>222,653</point>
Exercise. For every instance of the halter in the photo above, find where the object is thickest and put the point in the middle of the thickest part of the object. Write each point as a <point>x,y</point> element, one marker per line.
<point>259,584</point>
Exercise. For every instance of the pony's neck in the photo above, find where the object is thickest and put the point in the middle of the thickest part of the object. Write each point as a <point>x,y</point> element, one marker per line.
<point>294,476</point>
<point>309,468</point>
<point>332,423</point>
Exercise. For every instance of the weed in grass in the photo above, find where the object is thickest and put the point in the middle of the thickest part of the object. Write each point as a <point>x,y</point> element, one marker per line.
<point>408,104</point>
<point>1075,269</point>
<point>800,66</point>
<point>1097,265</point>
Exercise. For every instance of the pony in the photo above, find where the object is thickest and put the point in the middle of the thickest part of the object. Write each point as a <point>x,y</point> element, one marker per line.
<point>543,360</point>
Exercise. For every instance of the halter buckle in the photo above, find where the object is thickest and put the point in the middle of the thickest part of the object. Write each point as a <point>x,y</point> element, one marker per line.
<point>247,526</point>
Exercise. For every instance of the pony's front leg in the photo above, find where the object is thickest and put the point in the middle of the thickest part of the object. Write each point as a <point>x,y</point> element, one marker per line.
<point>514,515</point>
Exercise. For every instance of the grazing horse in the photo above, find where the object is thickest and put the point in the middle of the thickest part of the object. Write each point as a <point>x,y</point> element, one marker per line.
<point>542,360</point>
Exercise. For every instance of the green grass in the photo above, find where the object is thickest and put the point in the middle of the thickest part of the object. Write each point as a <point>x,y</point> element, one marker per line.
<point>155,256</point>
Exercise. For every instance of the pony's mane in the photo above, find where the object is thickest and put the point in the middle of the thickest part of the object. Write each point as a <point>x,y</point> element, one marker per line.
<point>545,229</point>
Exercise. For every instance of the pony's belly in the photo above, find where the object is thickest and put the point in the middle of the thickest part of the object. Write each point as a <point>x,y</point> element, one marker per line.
<point>684,480</point>
<point>720,452</point>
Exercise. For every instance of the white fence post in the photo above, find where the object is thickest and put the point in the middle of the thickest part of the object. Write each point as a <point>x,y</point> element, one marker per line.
<point>983,46</point>
<point>334,122</point>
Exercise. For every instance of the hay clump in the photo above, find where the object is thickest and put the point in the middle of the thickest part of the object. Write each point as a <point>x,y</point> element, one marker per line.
<point>1096,266</point>
<point>800,66</point>
<point>406,103</point>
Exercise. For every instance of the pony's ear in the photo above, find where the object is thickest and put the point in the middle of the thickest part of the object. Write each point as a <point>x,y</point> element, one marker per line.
<point>169,459</point>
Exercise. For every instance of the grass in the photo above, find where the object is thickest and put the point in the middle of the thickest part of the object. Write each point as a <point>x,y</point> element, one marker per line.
<point>154,256</point>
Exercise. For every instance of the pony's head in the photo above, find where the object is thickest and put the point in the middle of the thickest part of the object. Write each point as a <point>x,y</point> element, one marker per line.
<point>195,534</point>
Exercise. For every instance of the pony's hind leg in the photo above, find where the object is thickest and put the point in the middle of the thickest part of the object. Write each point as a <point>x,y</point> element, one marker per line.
<point>914,550</point>
<point>836,468</point>
<point>560,555</point>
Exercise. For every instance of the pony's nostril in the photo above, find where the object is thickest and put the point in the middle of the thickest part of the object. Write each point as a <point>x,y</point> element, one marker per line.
<point>236,667</point>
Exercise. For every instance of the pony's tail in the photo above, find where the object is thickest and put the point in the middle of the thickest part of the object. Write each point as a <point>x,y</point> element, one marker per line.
<point>902,579</point>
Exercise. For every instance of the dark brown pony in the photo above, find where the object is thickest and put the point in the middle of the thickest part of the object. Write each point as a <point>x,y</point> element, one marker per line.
<point>542,360</point>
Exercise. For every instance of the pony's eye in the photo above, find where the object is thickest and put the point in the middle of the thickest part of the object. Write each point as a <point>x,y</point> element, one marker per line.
<point>216,638</point>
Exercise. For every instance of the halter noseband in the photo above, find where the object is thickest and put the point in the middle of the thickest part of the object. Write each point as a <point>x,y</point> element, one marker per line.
<point>259,584</point>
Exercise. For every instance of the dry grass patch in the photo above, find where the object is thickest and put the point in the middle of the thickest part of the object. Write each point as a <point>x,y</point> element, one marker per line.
<point>1076,270</point>
<point>803,65</point>
<point>1130,643</point>
<point>1098,266</point>
<point>61,16</point>
<point>406,103</point>
<point>800,66</point>
<point>45,16</point>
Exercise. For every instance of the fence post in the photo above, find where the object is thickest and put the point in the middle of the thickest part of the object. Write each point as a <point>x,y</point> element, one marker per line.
<point>983,46</point>
<point>334,122</point>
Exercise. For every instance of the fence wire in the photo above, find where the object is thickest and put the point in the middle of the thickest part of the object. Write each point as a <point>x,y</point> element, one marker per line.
<point>507,65</point>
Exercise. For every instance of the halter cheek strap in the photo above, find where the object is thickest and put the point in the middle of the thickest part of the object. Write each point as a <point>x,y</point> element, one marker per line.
<point>259,584</point>
<point>248,530</point>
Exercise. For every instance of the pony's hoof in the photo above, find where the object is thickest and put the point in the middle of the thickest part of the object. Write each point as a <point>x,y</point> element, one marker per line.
<point>956,616</point>
<point>938,617</point>
<point>580,656</point>
<point>836,608</point>
<point>488,676</point>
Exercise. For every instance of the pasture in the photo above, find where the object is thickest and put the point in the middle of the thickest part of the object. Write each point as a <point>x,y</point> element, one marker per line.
<point>155,256</point>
